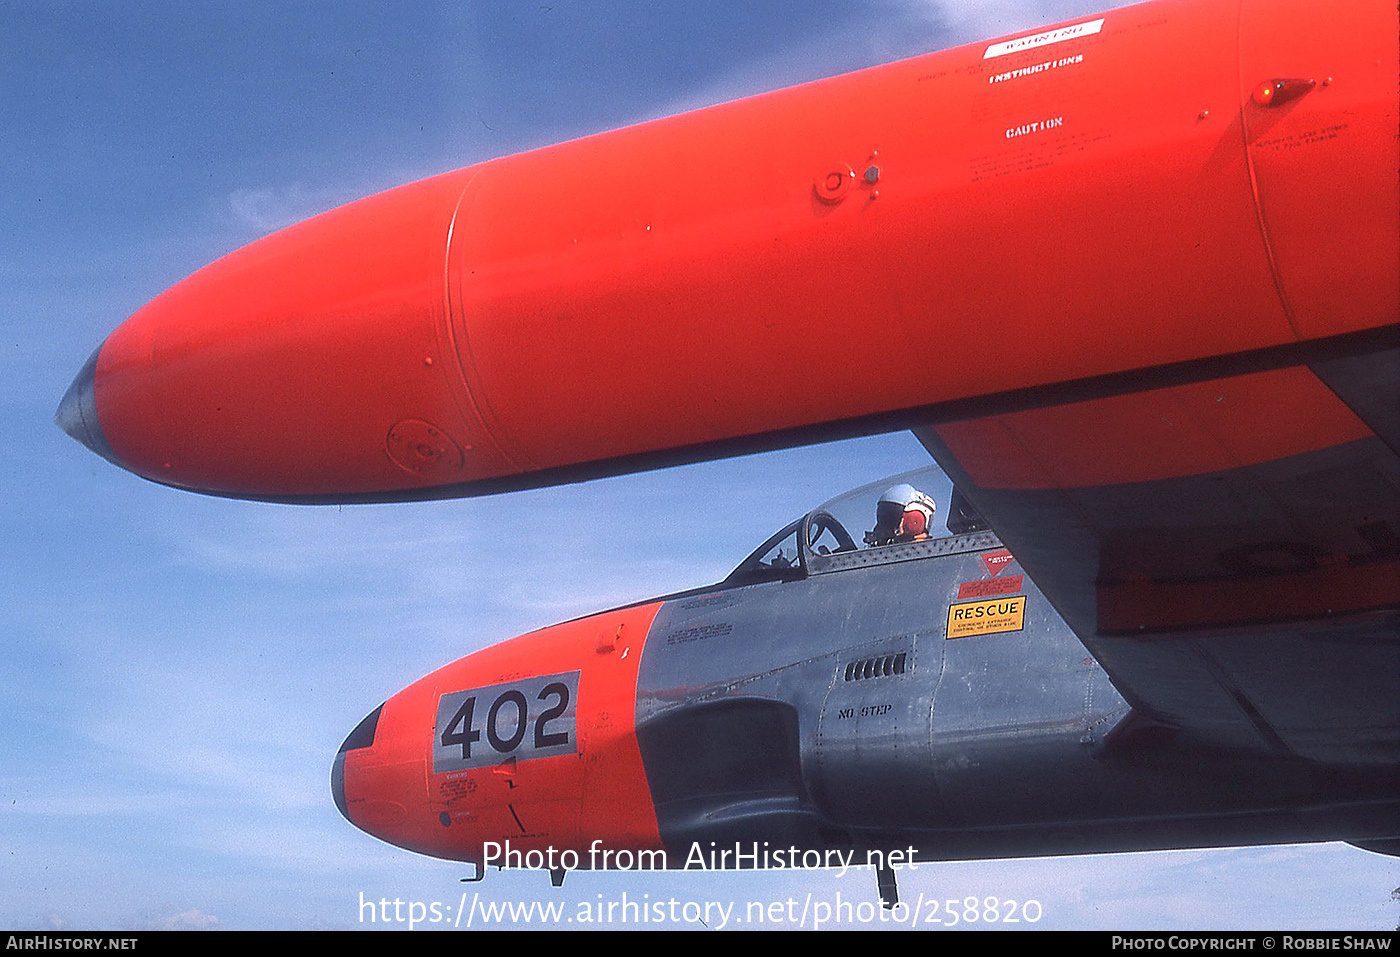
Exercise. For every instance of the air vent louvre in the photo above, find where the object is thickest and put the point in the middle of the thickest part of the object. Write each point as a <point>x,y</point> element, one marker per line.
<point>880,667</point>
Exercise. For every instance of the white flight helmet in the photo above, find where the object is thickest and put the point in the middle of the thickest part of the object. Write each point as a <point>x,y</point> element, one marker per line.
<point>905,495</point>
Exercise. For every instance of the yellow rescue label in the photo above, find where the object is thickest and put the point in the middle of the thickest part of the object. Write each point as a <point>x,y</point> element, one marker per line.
<point>986,617</point>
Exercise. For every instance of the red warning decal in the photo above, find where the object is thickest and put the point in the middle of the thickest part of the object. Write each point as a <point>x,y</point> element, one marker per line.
<point>995,561</point>
<point>990,586</point>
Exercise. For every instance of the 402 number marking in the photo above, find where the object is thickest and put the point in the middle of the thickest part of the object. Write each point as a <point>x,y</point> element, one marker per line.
<point>530,718</point>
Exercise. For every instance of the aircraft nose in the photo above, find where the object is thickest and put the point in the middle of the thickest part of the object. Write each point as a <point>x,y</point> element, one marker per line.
<point>338,785</point>
<point>361,738</point>
<point>379,777</point>
<point>77,413</point>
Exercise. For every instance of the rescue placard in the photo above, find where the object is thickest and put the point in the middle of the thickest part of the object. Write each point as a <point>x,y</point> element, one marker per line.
<point>986,617</point>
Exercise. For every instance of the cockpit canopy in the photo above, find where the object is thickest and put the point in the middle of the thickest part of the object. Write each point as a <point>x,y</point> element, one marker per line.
<point>873,524</point>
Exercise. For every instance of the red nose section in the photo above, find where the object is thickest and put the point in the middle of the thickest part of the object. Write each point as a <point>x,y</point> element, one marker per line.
<point>531,742</point>
<point>377,778</point>
<point>314,361</point>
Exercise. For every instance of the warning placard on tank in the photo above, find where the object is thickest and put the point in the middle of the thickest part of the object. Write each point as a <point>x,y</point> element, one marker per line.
<point>991,617</point>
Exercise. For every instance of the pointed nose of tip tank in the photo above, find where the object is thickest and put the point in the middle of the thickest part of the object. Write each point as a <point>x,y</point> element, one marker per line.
<point>77,413</point>
<point>318,363</point>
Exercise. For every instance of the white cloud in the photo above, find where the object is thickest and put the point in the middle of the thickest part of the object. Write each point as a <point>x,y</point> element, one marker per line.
<point>268,208</point>
<point>192,919</point>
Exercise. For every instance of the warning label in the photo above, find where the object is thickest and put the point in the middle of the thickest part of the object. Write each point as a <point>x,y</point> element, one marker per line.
<point>1035,68</point>
<point>1041,39</point>
<point>986,617</point>
<point>990,586</point>
<point>1039,126</point>
<point>995,561</point>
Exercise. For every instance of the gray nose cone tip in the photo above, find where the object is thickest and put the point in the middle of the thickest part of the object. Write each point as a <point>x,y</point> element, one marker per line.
<point>338,785</point>
<point>77,413</point>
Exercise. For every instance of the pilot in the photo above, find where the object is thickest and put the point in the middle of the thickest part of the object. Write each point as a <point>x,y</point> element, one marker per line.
<point>903,514</point>
<point>916,524</point>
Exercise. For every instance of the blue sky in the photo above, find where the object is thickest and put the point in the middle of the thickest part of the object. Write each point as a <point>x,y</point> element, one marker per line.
<point>176,672</point>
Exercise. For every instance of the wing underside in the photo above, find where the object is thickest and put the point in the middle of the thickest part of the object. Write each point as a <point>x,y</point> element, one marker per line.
<point>1225,542</point>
